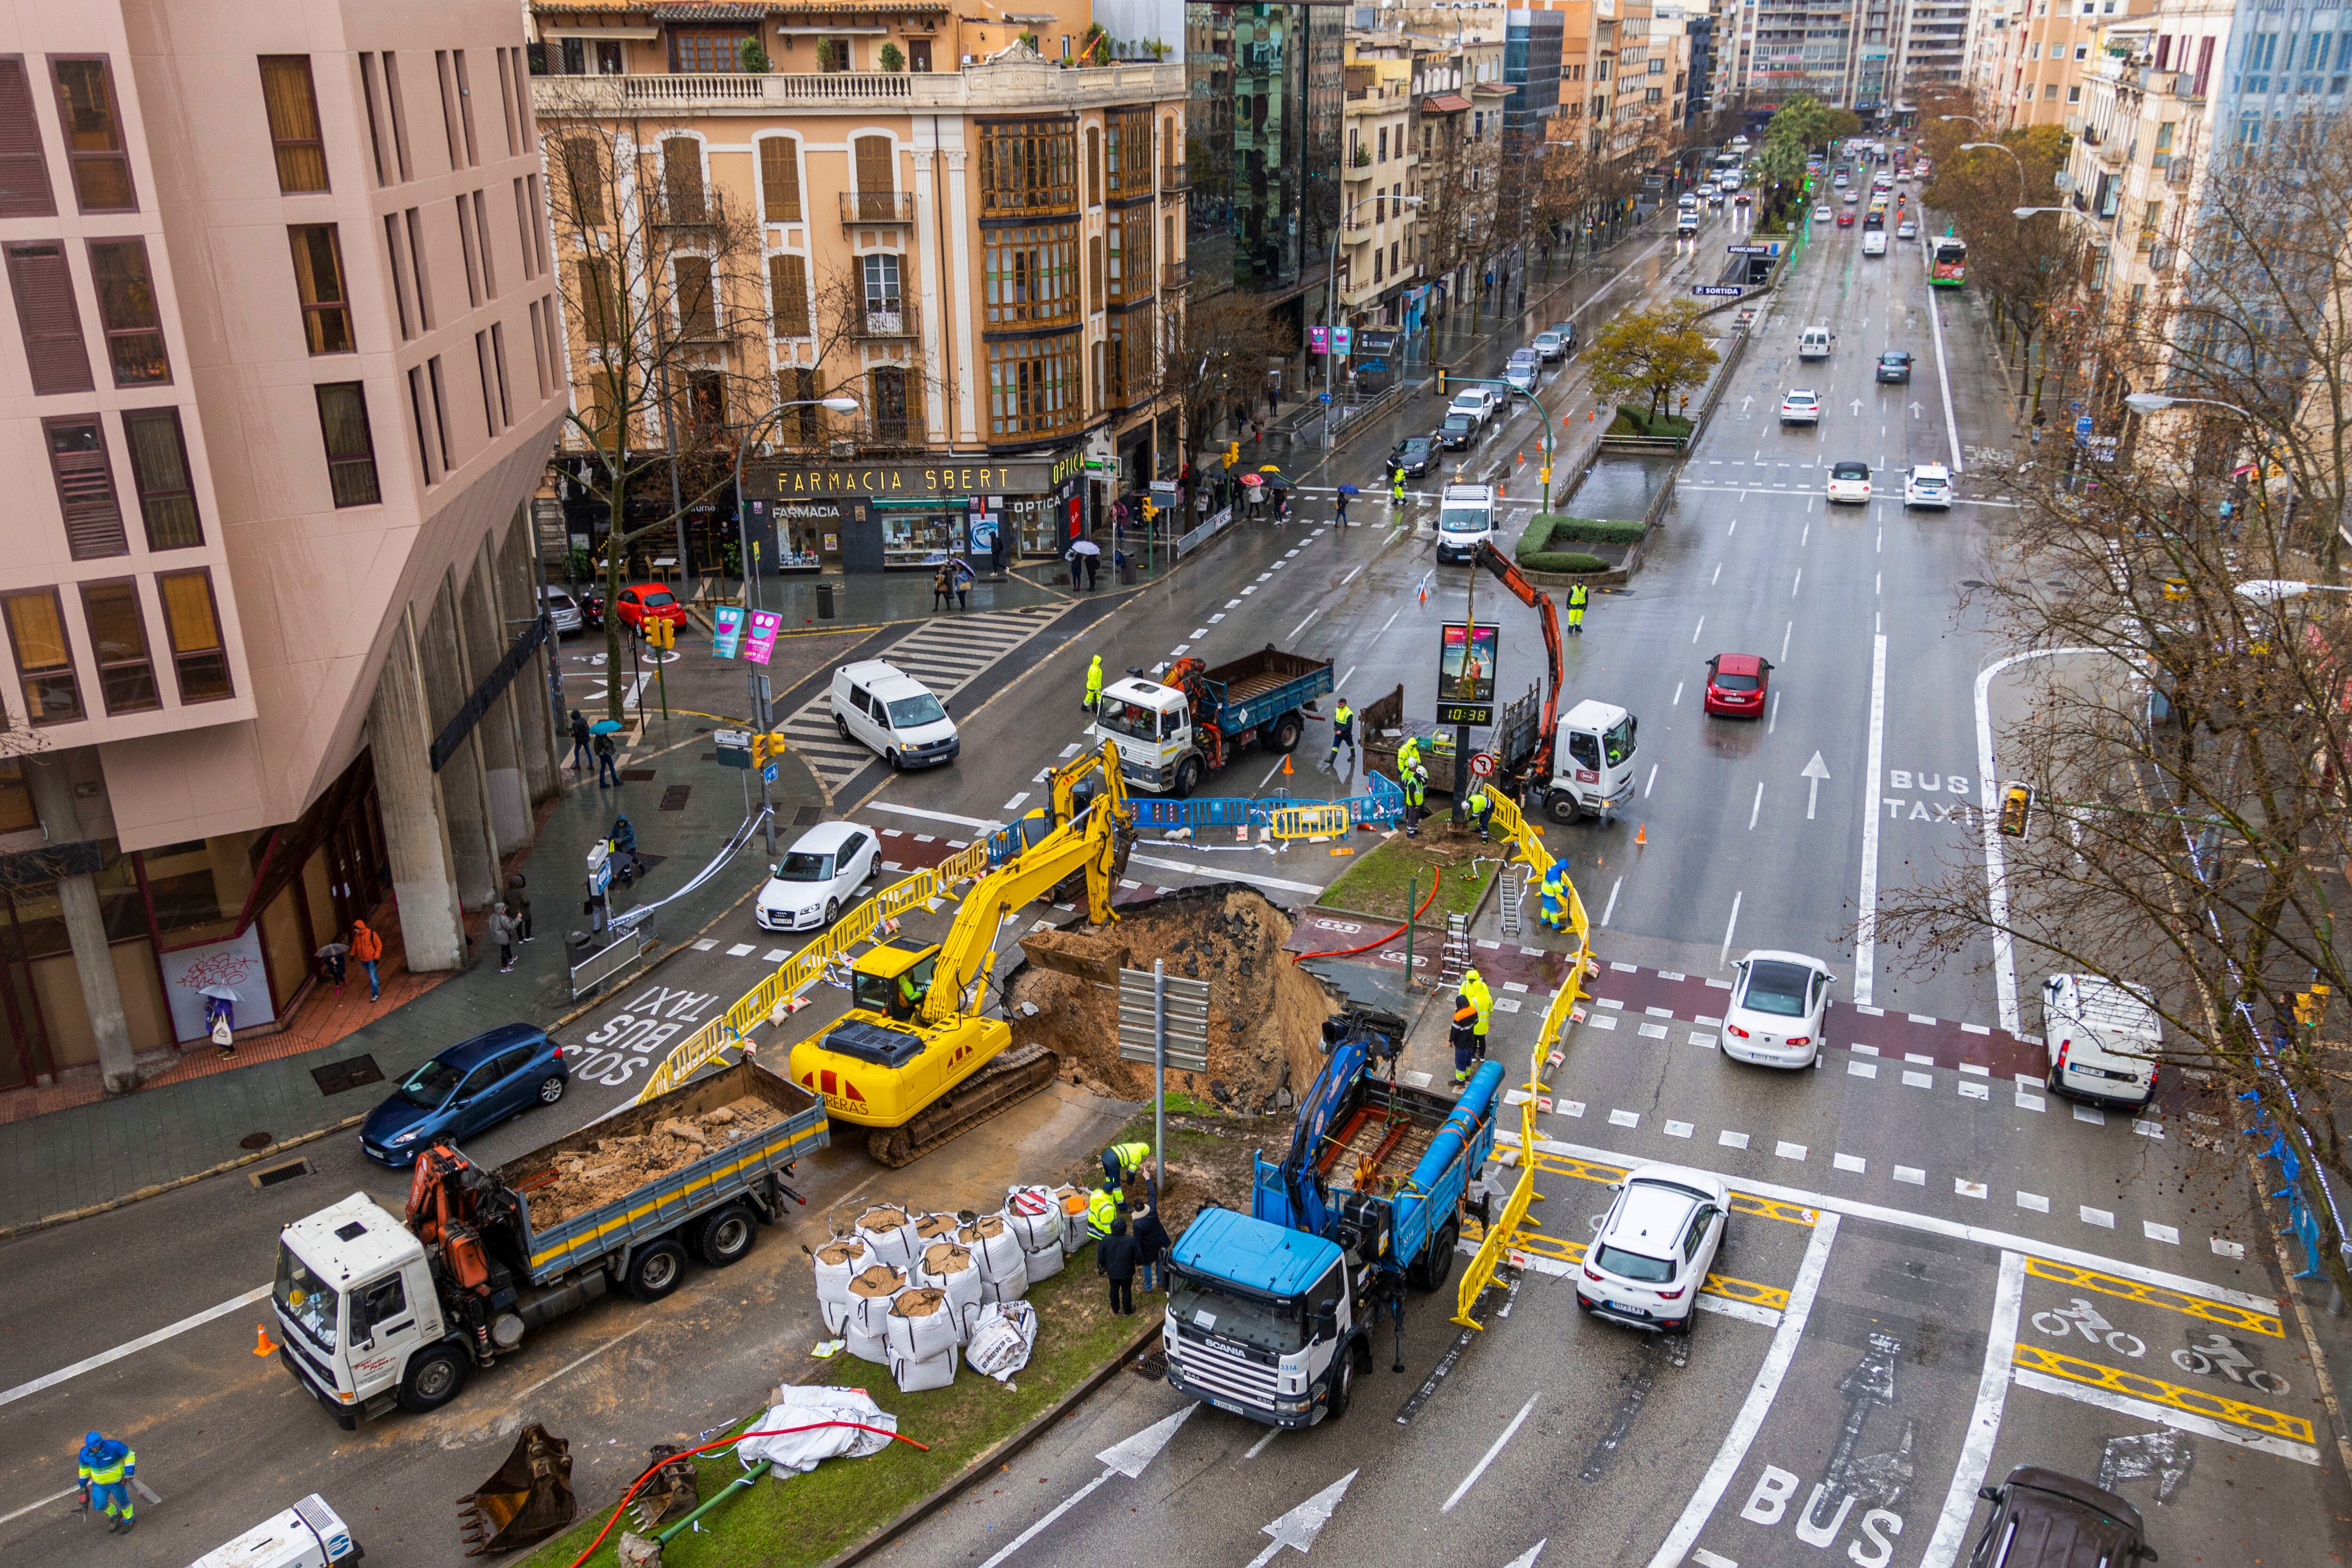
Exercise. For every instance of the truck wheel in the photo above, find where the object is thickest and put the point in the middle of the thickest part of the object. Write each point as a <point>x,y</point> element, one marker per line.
<point>1286,731</point>
<point>432,1379</point>
<point>1561,806</point>
<point>1343,1385</point>
<point>656,1271</point>
<point>1188,777</point>
<point>1434,1266</point>
<point>725,1237</point>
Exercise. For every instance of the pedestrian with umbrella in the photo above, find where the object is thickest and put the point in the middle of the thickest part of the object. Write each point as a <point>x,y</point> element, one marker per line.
<point>220,1014</point>
<point>330,958</point>
<point>607,775</point>
<point>1345,492</point>
<point>1086,556</point>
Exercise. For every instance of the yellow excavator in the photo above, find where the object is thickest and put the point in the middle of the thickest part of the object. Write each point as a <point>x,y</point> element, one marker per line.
<point>913,1059</point>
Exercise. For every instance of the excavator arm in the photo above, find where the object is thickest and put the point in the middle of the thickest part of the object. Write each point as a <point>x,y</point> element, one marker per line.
<point>1093,831</point>
<point>1536,599</point>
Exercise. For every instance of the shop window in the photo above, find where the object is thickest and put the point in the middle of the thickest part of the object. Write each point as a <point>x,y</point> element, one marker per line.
<point>193,622</point>
<point>291,102</point>
<point>1031,165</point>
<point>159,471</point>
<point>95,148</point>
<point>118,638</point>
<point>349,444</point>
<point>37,636</point>
<point>85,481</point>
<point>1032,275</point>
<point>921,535</point>
<point>318,283</point>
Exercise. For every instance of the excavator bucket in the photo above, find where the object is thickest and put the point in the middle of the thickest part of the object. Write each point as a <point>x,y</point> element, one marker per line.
<point>670,1494</point>
<point>527,1500</point>
<point>1093,958</point>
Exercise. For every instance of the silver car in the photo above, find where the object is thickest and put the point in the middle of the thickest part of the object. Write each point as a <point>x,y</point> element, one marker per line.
<point>562,610</point>
<point>1776,1012</point>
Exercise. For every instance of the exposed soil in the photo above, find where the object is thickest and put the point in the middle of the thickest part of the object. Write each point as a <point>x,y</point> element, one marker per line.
<point>613,1167</point>
<point>1266,1015</point>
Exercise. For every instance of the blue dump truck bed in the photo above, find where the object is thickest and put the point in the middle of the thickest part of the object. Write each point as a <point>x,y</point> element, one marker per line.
<point>1259,687</point>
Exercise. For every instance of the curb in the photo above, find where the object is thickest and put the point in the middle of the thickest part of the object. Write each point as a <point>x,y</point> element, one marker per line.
<point>914,1513</point>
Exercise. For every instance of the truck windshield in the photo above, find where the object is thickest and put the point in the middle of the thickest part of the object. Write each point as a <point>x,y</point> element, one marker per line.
<point>1464,519</point>
<point>307,1301</point>
<point>1256,1321</point>
<point>1619,742</point>
<point>1129,718</point>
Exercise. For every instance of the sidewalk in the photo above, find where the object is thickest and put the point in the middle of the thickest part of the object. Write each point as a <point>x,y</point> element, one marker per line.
<point>869,599</point>
<point>202,1114</point>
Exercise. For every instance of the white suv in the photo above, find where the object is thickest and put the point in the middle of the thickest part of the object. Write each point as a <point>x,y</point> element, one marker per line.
<point>1477,402</point>
<point>1801,406</point>
<point>1930,484</point>
<point>1654,1246</point>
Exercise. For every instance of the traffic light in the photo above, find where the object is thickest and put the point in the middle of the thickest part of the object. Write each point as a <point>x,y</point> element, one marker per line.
<point>661,634</point>
<point>1233,453</point>
<point>1149,510</point>
<point>1441,381</point>
<point>2311,1006</point>
<point>2016,802</point>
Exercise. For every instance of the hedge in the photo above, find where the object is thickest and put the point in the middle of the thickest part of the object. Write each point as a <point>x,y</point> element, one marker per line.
<point>1590,531</point>
<point>1638,422</point>
<point>1535,553</point>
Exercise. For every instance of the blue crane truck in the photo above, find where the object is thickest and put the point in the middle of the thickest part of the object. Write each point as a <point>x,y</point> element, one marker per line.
<point>1269,1316</point>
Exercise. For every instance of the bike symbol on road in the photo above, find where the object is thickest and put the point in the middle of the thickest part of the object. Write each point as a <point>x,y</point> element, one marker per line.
<point>2065,1323</point>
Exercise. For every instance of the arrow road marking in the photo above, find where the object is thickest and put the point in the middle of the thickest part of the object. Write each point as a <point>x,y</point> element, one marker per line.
<point>1816,770</point>
<point>1857,406</point>
<point>1128,1459</point>
<point>1916,412</point>
<point>1528,1558</point>
<point>1301,1525</point>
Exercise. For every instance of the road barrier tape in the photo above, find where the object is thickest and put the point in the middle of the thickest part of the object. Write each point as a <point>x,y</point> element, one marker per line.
<point>2221,1312</point>
<point>2196,1401</point>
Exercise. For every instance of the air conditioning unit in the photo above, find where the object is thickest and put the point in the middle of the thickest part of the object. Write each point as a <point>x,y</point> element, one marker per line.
<point>844,449</point>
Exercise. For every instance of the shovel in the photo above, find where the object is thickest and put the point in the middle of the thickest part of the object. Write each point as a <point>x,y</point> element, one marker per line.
<point>525,1500</point>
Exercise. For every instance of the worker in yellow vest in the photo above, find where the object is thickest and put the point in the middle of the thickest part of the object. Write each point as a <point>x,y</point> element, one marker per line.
<point>1343,733</point>
<point>1555,896</point>
<point>1121,1164</point>
<point>1102,1207</point>
<point>1481,1000</point>
<point>1094,684</point>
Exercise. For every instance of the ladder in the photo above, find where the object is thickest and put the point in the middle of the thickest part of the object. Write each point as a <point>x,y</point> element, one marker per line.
<point>1514,896</point>
<point>1457,951</point>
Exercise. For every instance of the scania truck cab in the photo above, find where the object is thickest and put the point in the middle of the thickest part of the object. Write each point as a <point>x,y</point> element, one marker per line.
<point>1261,1320</point>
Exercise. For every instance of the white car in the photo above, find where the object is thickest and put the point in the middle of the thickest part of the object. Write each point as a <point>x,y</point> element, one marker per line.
<point>879,705</point>
<point>1874,242</point>
<point>1821,213</point>
<point>1850,481</point>
<point>1906,229</point>
<point>1777,1008</point>
<point>1930,484</point>
<point>818,877</point>
<point>1801,407</point>
<point>1654,1247</point>
<point>562,610</point>
<point>1479,402</point>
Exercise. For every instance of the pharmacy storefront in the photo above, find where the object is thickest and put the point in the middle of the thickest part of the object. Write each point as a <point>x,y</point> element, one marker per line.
<point>859,517</point>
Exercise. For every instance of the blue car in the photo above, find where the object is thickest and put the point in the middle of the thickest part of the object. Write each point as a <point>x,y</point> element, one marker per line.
<point>468,1088</point>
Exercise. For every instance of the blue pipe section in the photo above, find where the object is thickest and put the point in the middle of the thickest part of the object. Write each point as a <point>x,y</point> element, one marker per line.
<point>1477,1099</point>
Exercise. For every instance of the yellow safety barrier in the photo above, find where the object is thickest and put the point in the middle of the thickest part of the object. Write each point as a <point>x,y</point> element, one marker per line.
<point>804,968</point>
<point>1508,1232</point>
<point>1328,821</point>
<point>2097,1374</point>
<point>2222,1312</point>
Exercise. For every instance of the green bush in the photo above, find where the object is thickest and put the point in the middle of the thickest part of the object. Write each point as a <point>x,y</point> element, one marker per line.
<point>892,60</point>
<point>1634,420</point>
<point>1536,554</point>
<point>1563,560</point>
<point>1591,531</point>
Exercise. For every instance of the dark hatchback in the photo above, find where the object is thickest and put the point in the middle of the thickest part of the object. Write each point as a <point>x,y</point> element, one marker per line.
<point>1459,430</point>
<point>1415,454</point>
<point>2042,1519</point>
<point>471,1087</point>
<point>1894,365</point>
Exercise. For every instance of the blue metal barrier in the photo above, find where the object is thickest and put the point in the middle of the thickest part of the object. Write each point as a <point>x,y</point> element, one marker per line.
<point>2301,1223</point>
<point>1382,801</point>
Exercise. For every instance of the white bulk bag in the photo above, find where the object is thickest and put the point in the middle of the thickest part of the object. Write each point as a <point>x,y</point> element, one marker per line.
<point>1002,1338</point>
<point>1034,1217</point>
<point>915,1376</point>
<point>798,1452</point>
<point>1044,1263</point>
<point>1011,1289</point>
<point>1073,1204</point>
<point>870,1295</point>
<point>836,1261</point>
<point>933,1228</point>
<point>890,1232</point>
<point>946,1267</point>
<point>921,1325</point>
<point>993,1247</point>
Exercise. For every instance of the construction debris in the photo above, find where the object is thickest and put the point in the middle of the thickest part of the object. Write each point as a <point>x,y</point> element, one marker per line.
<point>613,1167</point>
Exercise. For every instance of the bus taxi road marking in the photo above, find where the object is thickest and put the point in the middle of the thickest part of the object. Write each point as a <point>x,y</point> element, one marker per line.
<point>1590,1160</point>
<point>132,1347</point>
<point>1984,1421</point>
<point>1865,939</point>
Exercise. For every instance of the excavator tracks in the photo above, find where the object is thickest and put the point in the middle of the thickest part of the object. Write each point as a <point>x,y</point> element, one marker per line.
<point>1016,1074</point>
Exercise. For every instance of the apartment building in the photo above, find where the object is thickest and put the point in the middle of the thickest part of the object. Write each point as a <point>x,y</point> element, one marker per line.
<point>1459,89</point>
<point>284,377</point>
<point>1801,45</point>
<point>1380,235</point>
<point>2033,58</point>
<point>1933,51</point>
<point>968,226</point>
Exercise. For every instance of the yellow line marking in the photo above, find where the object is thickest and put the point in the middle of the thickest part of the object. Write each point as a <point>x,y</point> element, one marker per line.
<point>1609,1175</point>
<point>1722,1285</point>
<point>2221,1312</point>
<point>2194,1400</point>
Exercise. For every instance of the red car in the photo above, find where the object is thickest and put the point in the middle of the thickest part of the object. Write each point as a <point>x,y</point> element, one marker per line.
<point>644,601</point>
<point>1846,219</point>
<point>1736,684</point>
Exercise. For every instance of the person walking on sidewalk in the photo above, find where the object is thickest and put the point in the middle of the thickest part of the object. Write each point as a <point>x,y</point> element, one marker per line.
<point>331,966</point>
<point>107,1468</point>
<point>608,777</point>
<point>1115,1259</point>
<point>368,948</point>
<point>580,748</point>
<point>1077,569</point>
<point>519,902</point>
<point>502,931</point>
<point>224,1029</point>
<point>942,590</point>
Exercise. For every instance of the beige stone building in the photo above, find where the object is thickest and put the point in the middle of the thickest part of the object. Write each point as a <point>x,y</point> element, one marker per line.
<point>1379,180</point>
<point>957,223</point>
<point>2033,56</point>
<point>284,373</point>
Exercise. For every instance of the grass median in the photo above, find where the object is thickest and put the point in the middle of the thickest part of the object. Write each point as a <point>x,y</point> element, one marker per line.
<point>1383,879</point>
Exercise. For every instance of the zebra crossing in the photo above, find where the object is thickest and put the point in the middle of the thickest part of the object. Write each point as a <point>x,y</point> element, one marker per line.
<point>946,656</point>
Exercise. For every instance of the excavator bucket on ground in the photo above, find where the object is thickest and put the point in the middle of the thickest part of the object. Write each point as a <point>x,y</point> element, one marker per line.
<point>525,1500</point>
<point>670,1494</point>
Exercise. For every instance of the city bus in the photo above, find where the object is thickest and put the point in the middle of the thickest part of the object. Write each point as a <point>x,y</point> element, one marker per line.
<point>1947,262</point>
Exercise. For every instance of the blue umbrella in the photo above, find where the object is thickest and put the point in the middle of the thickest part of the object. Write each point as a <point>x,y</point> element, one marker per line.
<point>606,727</point>
<point>1350,491</point>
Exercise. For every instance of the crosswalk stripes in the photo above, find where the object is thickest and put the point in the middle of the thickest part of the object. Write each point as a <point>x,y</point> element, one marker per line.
<point>945,655</point>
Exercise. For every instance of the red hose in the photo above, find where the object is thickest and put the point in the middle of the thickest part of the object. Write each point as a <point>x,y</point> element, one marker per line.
<point>721,1443</point>
<point>1436,874</point>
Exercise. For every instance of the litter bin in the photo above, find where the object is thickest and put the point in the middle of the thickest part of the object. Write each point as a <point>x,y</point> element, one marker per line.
<point>824,601</point>
<point>1127,573</point>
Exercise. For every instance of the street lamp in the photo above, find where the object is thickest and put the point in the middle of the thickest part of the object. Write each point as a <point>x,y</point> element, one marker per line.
<point>1969,119</point>
<point>2146,403</point>
<point>2021,214</point>
<point>1998,147</point>
<point>1332,301</point>
<point>2270,590</point>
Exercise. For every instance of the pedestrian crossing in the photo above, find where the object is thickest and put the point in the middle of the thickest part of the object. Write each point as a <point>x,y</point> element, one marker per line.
<point>946,656</point>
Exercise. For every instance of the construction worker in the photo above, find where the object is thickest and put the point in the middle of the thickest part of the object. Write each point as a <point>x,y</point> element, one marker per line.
<point>1343,733</point>
<point>906,996</point>
<point>1578,598</point>
<point>1474,986</point>
<point>1415,779</point>
<point>1396,485</point>
<point>1385,1290</point>
<point>1480,806</point>
<point>1121,1164</point>
<point>107,1468</point>
<point>1102,1207</point>
<point>1094,683</point>
<point>1555,896</point>
<point>1462,1034</point>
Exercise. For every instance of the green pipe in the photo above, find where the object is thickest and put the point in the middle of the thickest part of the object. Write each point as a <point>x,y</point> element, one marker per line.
<point>745,1480</point>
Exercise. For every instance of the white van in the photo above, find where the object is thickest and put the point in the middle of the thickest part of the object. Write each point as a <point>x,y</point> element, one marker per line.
<point>1465,519</point>
<point>1686,221</point>
<point>1874,242</point>
<point>881,706</point>
<point>1813,342</point>
<point>2101,1038</point>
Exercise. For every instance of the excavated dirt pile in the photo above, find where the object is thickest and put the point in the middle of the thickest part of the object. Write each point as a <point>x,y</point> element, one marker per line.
<point>613,1167</point>
<point>1266,1015</point>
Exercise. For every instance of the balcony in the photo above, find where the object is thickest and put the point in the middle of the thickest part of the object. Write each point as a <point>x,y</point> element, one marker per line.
<point>1174,178</point>
<point>1356,231</point>
<point>893,320</point>
<point>877,206</point>
<point>1017,84</point>
<point>1174,276</point>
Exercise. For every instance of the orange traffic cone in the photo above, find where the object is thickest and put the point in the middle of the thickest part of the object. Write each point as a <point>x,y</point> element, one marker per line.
<point>261,1346</point>
<point>1286,766</point>
<point>1641,836</point>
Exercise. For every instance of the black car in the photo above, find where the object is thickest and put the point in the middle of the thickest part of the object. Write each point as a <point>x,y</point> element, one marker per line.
<point>1459,430</point>
<point>1894,365</point>
<point>1415,454</point>
<point>2044,1520</point>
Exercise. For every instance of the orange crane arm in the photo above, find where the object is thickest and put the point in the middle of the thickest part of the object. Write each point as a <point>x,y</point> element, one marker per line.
<point>1527,593</point>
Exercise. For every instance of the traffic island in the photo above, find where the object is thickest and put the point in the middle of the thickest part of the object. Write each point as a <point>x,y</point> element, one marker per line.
<point>1451,856</point>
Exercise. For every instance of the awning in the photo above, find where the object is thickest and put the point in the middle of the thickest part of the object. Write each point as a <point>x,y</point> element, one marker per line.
<point>1444,103</point>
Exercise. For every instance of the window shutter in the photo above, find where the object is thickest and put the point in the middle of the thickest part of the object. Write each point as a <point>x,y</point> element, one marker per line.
<point>780,179</point>
<point>788,293</point>
<point>874,173</point>
<point>25,190</point>
<point>85,491</point>
<point>52,324</point>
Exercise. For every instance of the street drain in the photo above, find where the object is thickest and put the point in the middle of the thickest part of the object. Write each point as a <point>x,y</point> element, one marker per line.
<point>1151,1367</point>
<point>271,1175</point>
<point>674,797</point>
<point>256,1141</point>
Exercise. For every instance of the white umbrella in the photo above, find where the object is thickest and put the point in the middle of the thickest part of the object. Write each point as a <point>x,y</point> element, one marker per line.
<point>225,992</point>
<point>1085,547</point>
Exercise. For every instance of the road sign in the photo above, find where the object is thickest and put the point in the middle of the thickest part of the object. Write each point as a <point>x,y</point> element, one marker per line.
<point>1748,249</point>
<point>1718,290</point>
<point>1324,396</point>
<point>2082,428</point>
<point>734,747</point>
<point>1187,1019</point>
<point>768,772</point>
<point>1482,766</point>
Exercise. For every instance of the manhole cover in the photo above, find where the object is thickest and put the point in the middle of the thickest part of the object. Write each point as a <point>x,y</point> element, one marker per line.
<point>674,797</point>
<point>808,816</point>
<point>256,1141</point>
<point>350,1073</point>
<point>636,775</point>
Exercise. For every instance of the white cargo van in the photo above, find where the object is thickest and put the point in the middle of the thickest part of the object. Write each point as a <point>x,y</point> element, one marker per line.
<point>878,704</point>
<point>1813,342</point>
<point>1465,519</point>
<point>2101,1037</point>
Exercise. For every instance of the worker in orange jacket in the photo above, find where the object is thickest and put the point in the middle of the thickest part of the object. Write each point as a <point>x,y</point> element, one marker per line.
<point>368,948</point>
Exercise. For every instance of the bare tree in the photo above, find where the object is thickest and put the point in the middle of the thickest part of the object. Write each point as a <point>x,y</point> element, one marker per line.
<point>1210,352</point>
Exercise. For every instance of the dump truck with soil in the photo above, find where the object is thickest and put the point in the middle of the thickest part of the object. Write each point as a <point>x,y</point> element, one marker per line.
<point>1268,1314</point>
<point>1173,732</point>
<point>376,1308</point>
